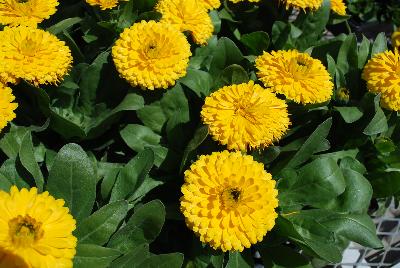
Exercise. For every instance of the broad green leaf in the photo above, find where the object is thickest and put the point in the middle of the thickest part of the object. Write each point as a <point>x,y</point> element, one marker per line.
<point>316,184</point>
<point>226,53</point>
<point>5,183</point>
<point>379,45</point>
<point>128,15</point>
<point>153,116</point>
<point>109,179</point>
<point>349,114</point>
<point>378,123</point>
<point>11,171</point>
<point>311,144</point>
<point>199,136</point>
<point>282,256</point>
<point>132,175</point>
<point>27,158</point>
<point>10,143</point>
<point>347,57</point>
<point>233,74</point>
<point>171,260</point>
<point>132,259</point>
<point>144,5</point>
<point>63,25</point>
<point>72,178</point>
<point>256,42</point>
<point>339,155</point>
<point>200,82</point>
<point>98,228</point>
<point>94,256</point>
<point>143,227</point>
<point>146,186</point>
<point>239,260</point>
<point>363,52</point>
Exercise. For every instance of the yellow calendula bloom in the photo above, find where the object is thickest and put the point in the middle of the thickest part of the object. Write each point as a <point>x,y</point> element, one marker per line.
<point>35,229</point>
<point>26,12</point>
<point>210,4</point>
<point>187,16</point>
<point>33,55</point>
<point>296,75</point>
<point>382,74</point>
<point>245,116</point>
<point>7,106</point>
<point>339,7</point>
<point>104,4</point>
<point>151,55</point>
<point>396,39</point>
<point>229,200</point>
<point>303,4</point>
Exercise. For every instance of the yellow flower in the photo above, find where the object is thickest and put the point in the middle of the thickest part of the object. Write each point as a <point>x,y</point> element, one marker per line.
<point>343,94</point>
<point>36,228</point>
<point>26,12</point>
<point>151,55</point>
<point>33,55</point>
<point>245,116</point>
<point>229,200</point>
<point>187,15</point>
<point>210,4</point>
<point>339,7</point>
<point>296,75</point>
<point>104,4</point>
<point>396,39</point>
<point>382,74</point>
<point>303,4</point>
<point>7,106</point>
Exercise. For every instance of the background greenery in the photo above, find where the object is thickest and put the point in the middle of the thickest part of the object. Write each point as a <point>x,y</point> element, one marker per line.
<point>116,154</point>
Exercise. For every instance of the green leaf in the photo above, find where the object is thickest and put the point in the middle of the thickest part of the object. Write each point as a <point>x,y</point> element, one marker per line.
<point>94,256</point>
<point>10,143</point>
<point>363,52</point>
<point>282,256</point>
<point>379,45</point>
<point>198,138</point>
<point>132,259</point>
<point>200,82</point>
<point>153,116</point>
<point>226,53</point>
<point>171,260</point>
<point>237,260</point>
<point>311,144</point>
<point>347,57</point>
<point>256,42</point>
<point>143,227</point>
<point>349,114</point>
<point>72,178</point>
<point>128,15</point>
<point>27,158</point>
<point>316,184</point>
<point>132,175</point>
<point>5,183</point>
<point>144,5</point>
<point>385,184</point>
<point>63,25</point>
<point>147,185</point>
<point>378,123</point>
<point>233,74</point>
<point>98,228</point>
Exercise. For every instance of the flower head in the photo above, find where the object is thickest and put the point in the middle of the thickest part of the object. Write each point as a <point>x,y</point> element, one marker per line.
<point>382,74</point>
<point>211,4</point>
<point>229,200</point>
<point>245,116</point>
<point>33,55</point>
<point>7,106</point>
<point>26,12</point>
<point>303,4</point>
<point>396,39</point>
<point>151,55</point>
<point>187,15</point>
<point>104,4</point>
<point>339,7</point>
<point>36,228</point>
<point>296,75</point>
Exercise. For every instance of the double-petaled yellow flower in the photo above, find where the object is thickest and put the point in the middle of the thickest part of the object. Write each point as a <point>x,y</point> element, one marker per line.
<point>7,106</point>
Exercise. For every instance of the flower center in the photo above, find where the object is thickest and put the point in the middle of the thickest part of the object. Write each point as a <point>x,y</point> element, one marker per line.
<point>25,230</point>
<point>29,47</point>
<point>299,67</point>
<point>152,51</point>
<point>231,197</point>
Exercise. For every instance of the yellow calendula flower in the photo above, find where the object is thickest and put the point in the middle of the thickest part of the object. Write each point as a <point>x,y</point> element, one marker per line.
<point>104,4</point>
<point>7,106</point>
<point>245,116</point>
<point>229,200</point>
<point>339,7</point>
<point>382,74</point>
<point>210,4</point>
<point>396,39</point>
<point>303,4</point>
<point>187,15</point>
<point>26,12</point>
<point>33,55</point>
<point>296,75</point>
<point>151,55</point>
<point>36,229</point>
